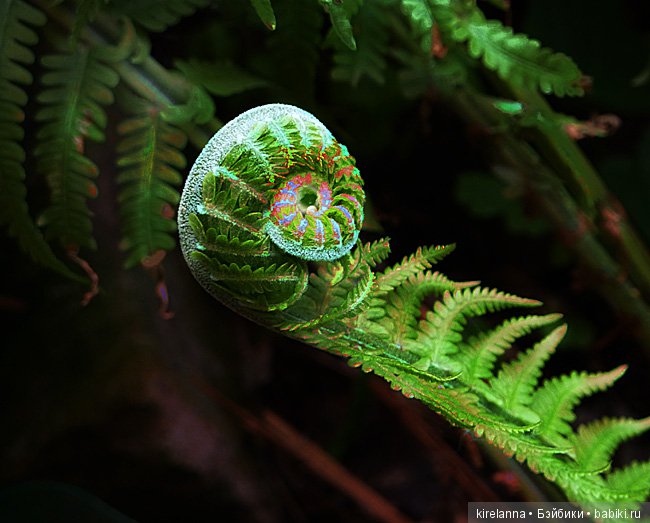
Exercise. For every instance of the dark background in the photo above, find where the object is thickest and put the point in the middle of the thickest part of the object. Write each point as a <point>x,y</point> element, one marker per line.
<point>158,417</point>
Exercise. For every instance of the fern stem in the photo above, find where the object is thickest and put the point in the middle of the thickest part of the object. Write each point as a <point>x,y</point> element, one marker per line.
<point>540,176</point>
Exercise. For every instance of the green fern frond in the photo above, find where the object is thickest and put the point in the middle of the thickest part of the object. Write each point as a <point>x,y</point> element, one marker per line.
<point>396,314</point>
<point>506,411</point>
<point>281,284</point>
<point>16,39</point>
<point>15,215</point>
<point>335,292</point>
<point>154,15</point>
<point>515,57</point>
<point>555,400</point>
<point>420,14</point>
<point>513,386</point>
<point>440,332</point>
<point>481,352</point>
<point>368,59</point>
<point>372,253</point>
<point>340,12</point>
<point>77,84</point>
<point>264,10</point>
<point>150,158</point>
<point>635,476</point>
<point>596,442</point>
<point>423,258</point>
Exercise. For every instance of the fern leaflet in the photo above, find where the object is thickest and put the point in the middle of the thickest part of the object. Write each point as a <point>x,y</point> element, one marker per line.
<point>340,12</point>
<point>556,399</point>
<point>634,476</point>
<point>78,83</point>
<point>149,159</point>
<point>596,442</point>
<point>423,258</point>
<point>481,352</point>
<point>264,10</point>
<point>515,57</point>
<point>420,14</point>
<point>439,332</point>
<point>513,386</point>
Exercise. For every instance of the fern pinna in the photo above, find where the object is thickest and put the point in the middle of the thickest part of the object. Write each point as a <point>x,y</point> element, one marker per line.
<point>78,83</point>
<point>268,223</point>
<point>16,37</point>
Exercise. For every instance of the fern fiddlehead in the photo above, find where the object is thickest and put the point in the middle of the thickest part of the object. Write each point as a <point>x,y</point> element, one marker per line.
<point>270,192</point>
<point>268,222</point>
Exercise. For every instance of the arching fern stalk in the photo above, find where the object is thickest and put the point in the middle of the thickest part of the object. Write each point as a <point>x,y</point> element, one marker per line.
<point>268,223</point>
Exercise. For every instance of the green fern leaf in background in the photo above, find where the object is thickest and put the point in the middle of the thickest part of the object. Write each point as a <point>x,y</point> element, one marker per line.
<point>265,11</point>
<point>85,13</point>
<point>368,58</point>
<point>149,157</point>
<point>16,37</point>
<point>154,15</point>
<point>420,14</point>
<point>77,84</point>
<point>340,12</point>
<point>514,56</point>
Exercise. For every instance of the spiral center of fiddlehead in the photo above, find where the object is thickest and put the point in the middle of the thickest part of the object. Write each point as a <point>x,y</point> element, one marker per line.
<point>309,200</point>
